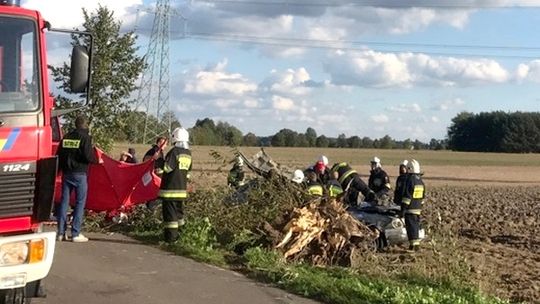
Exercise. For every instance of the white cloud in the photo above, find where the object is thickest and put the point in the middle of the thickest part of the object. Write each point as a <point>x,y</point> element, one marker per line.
<point>288,83</point>
<point>380,118</point>
<point>405,108</point>
<point>282,103</point>
<point>448,104</point>
<point>434,119</point>
<point>382,70</point>
<point>217,82</point>
<point>528,72</point>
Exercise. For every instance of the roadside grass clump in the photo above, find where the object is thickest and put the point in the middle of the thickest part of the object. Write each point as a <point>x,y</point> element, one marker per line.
<point>343,285</point>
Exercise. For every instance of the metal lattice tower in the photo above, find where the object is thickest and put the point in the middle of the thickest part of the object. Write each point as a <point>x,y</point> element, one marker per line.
<point>153,97</point>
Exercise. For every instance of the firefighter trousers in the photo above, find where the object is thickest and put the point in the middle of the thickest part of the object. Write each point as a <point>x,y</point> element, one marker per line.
<point>412,224</point>
<point>173,218</point>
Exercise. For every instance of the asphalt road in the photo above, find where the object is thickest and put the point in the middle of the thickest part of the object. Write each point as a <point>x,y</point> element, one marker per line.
<point>116,269</point>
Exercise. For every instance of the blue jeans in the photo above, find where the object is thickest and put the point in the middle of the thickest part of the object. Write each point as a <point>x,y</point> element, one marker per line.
<point>78,182</point>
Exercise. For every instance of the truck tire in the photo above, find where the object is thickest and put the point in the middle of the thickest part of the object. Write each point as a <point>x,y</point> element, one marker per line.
<point>14,296</point>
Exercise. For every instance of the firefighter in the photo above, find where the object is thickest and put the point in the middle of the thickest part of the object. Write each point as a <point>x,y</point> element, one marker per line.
<point>173,189</point>
<point>314,187</point>
<point>411,203</point>
<point>333,186</point>
<point>237,176</point>
<point>379,182</point>
<point>351,183</point>
<point>400,182</point>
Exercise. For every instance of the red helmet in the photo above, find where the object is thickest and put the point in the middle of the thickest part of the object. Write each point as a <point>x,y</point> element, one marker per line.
<point>319,167</point>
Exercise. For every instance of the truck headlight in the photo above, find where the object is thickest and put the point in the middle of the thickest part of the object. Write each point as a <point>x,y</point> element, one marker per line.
<point>17,253</point>
<point>13,253</point>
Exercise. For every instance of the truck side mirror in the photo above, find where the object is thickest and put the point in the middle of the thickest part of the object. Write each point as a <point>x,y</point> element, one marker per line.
<point>79,72</point>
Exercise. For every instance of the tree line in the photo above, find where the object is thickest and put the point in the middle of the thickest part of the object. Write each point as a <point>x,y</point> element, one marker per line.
<point>517,132</point>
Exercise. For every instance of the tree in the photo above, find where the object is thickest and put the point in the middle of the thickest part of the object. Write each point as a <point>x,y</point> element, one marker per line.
<point>386,142</point>
<point>250,140</point>
<point>354,142</point>
<point>322,142</point>
<point>311,137</point>
<point>342,141</point>
<point>170,116</point>
<point>115,70</point>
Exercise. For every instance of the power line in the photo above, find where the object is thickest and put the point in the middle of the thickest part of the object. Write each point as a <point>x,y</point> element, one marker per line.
<point>378,43</point>
<point>375,3</point>
<point>226,38</point>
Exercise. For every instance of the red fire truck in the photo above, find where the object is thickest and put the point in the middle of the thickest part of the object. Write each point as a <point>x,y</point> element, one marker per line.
<point>28,131</point>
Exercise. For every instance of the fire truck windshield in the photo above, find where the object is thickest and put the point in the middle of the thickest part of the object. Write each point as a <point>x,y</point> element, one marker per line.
<point>19,72</point>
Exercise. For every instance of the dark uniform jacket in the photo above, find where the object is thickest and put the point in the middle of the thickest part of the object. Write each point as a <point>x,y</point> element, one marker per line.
<point>158,164</point>
<point>75,152</point>
<point>400,188</point>
<point>348,177</point>
<point>379,181</point>
<point>413,196</point>
<point>176,169</point>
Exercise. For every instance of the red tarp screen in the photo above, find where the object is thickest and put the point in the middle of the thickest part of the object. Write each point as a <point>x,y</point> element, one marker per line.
<point>113,185</point>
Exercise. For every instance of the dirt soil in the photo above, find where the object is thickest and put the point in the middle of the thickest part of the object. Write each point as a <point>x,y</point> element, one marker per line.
<point>498,228</point>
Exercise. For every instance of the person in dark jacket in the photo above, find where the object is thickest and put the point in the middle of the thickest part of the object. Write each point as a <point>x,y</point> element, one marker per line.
<point>173,188</point>
<point>351,183</point>
<point>75,153</point>
<point>237,176</point>
<point>400,182</point>
<point>379,182</point>
<point>314,187</point>
<point>133,158</point>
<point>412,202</point>
<point>156,152</point>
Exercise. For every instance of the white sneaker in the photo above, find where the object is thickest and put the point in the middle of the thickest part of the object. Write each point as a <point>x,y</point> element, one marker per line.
<point>79,239</point>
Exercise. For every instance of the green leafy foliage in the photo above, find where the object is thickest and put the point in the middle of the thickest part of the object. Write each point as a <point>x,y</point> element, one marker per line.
<point>115,70</point>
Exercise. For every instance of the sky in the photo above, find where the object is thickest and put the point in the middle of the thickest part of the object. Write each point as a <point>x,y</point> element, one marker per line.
<point>353,67</point>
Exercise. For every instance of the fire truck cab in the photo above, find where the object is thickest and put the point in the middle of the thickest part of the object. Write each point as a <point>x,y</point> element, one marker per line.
<point>28,165</point>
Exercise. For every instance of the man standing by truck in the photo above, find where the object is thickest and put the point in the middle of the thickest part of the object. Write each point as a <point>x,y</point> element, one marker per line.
<point>75,154</point>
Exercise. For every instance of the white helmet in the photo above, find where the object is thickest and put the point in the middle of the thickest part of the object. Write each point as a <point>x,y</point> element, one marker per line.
<point>180,135</point>
<point>376,161</point>
<point>298,176</point>
<point>414,167</point>
<point>404,163</point>
<point>323,159</point>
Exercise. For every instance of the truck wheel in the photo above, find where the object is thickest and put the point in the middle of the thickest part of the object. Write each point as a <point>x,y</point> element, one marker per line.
<point>14,296</point>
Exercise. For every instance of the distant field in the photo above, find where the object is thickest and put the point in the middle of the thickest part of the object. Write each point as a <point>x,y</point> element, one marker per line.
<point>441,166</point>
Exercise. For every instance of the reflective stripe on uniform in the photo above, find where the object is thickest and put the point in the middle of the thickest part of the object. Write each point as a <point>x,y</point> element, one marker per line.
<point>166,168</point>
<point>170,225</point>
<point>334,191</point>
<point>415,242</point>
<point>345,175</point>
<point>388,186</point>
<point>316,190</point>
<point>172,193</point>
<point>159,171</point>
<point>414,211</point>
<point>406,201</point>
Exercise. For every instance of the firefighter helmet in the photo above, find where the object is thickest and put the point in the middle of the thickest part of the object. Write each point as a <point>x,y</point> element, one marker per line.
<point>323,159</point>
<point>376,162</point>
<point>414,167</point>
<point>404,163</point>
<point>180,135</point>
<point>298,176</point>
<point>319,167</point>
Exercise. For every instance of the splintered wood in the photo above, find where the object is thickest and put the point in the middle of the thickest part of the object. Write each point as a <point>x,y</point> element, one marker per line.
<point>324,233</point>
